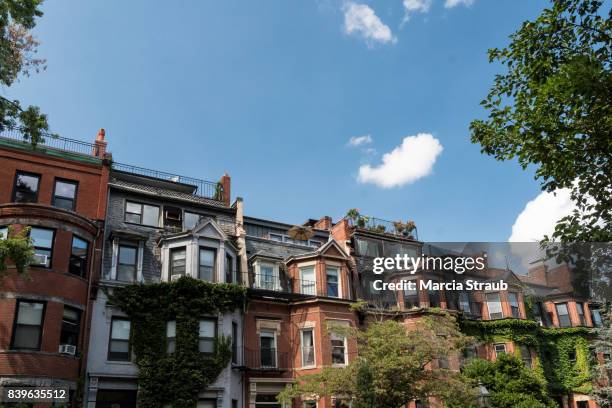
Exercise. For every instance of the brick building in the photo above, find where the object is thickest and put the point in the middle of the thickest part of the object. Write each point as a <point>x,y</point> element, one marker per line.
<point>58,189</point>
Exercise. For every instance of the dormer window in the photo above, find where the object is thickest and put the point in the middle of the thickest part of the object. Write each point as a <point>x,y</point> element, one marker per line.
<point>266,276</point>
<point>173,217</point>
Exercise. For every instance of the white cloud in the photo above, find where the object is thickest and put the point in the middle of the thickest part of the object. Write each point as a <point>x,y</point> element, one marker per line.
<point>454,3</point>
<point>359,140</point>
<point>412,160</point>
<point>415,6</point>
<point>540,215</point>
<point>360,19</point>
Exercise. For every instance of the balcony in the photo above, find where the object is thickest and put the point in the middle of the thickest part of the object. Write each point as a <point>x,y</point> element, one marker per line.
<point>283,284</point>
<point>189,185</point>
<point>14,137</point>
<point>266,359</point>
<point>380,226</point>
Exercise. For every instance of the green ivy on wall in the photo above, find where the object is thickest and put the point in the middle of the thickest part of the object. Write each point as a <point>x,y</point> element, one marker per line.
<point>175,378</point>
<point>555,349</point>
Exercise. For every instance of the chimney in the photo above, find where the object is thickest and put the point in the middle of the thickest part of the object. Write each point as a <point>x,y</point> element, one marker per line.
<point>325,223</point>
<point>99,149</point>
<point>226,182</point>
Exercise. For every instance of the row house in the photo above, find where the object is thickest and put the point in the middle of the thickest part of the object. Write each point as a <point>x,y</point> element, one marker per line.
<point>300,287</point>
<point>57,189</point>
<point>161,227</point>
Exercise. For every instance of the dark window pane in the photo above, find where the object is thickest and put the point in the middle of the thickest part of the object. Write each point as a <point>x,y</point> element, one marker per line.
<point>78,256</point>
<point>207,263</point>
<point>26,188</point>
<point>26,337</point>
<point>127,255</point>
<point>28,325</point>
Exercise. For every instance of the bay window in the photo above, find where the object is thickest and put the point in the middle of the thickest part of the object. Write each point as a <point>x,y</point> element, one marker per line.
<point>307,280</point>
<point>206,267</point>
<point>332,274</point>
<point>42,240</point>
<point>178,262</point>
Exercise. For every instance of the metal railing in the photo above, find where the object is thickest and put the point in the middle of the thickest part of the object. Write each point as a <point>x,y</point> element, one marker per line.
<point>381,226</point>
<point>202,188</point>
<point>50,141</point>
<point>286,284</point>
<point>265,359</point>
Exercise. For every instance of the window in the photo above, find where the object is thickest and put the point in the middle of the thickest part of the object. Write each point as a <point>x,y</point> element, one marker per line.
<point>500,349</point>
<point>580,311</point>
<point>143,214</point>
<point>494,306</point>
<point>333,281</point>
<point>514,304</point>
<point>229,268</point>
<point>525,355</point>
<point>341,402</point>
<point>78,256</point>
<point>173,217</point>
<point>207,264</point>
<point>469,353</point>
<point>42,239</point>
<point>206,336</point>
<point>234,342</point>
<point>3,232</point>
<point>119,344</point>
<point>309,404</point>
<point>367,248</point>
<point>171,336</point>
<point>276,237</point>
<point>25,189</point>
<point>464,302</point>
<point>268,277</point>
<point>563,314</point>
<point>421,404</point>
<point>571,355</point>
<point>538,314</point>
<point>207,403</point>
<point>27,332</point>
<point>178,262</point>
<point>582,404</point>
<point>315,244</point>
<point>443,363</point>
<point>71,323</point>
<point>267,348</point>
<point>307,280</point>
<point>266,401</point>
<point>596,317</point>
<point>411,298</point>
<point>191,220</point>
<point>234,403</point>
<point>434,295</point>
<point>307,340</point>
<point>64,194</point>
<point>338,344</point>
<point>126,266</point>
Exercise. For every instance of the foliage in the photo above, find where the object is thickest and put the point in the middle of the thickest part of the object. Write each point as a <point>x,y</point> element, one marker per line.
<point>509,382</point>
<point>551,108</point>
<point>17,57</point>
<point>602,390</point>
<point>393,366</point>
<point>177,377</point>
<point>16,248</point>
<point>554,347</point>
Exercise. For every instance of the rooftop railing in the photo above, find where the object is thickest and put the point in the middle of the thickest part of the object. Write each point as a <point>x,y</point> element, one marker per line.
<point>50,141</point>
<point>381,226</point>
<point>202,188</point>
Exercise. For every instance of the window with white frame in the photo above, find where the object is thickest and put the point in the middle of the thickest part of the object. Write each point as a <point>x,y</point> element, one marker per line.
<point>563,315</point>
<point>500,349</point>
<point>307,345</point>
<point>464,302</point>
<point>143,214</point>
<point>206,270</point>
<point>3,232</point>
<point>309,404</point>
<point>229,268</point>
<point>119,344</point>
<point>267,276</point>
<point>494,305</point>
<point>338,349</point>
<point>127,261</point>
<point>308,283</point>
<point>580,311</point>
<point>178,262</point>
<point>207,334</point>
<point>332,274</point>
<point>171,336</point>
<point>267,348</point>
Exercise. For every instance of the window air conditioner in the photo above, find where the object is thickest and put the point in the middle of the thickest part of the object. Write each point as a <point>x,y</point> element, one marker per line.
<point>67,349</point>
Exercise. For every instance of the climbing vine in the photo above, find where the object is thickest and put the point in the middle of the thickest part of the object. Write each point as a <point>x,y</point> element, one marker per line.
<point>175,378</point>
<point>563,358</point>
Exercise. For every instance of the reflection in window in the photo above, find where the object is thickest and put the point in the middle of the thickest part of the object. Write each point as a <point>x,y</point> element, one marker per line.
<point>26,188</point>
<point>28,325</point>
<point>64,195</point>
<point>126,265</point>
<point>78,256</point>
<point>332,276</point>
<point>119,344</point>
<point>494,306</point>
<point>42,240</point>
<point>367,248</point>
<point>563,315</point>
<point>143,214</point>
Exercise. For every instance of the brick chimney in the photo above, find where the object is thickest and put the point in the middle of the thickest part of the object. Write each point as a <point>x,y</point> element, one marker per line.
<point>99,149</point>
<point>226,182</point>
<point>325,223</point>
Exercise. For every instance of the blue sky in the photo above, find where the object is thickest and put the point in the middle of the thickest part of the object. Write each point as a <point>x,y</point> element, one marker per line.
<point>272,91</point>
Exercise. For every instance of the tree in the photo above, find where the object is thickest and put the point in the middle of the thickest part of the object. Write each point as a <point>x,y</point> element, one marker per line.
<point>551,108</point>
<point>18,249</point>
<point>602,390</point>
<point>510,383</point>
<point>17,57</point>
<point>393,366</point>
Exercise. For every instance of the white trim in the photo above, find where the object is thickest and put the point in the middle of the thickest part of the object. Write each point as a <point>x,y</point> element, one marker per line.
<point>275,274</point>
<point>115,259</point>
<point>301,267</point>
<point>338,274</point>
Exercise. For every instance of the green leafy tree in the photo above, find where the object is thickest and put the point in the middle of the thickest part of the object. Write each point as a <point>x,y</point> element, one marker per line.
<point>393,366</point>
<point>551,109</point>
<point>16,251</point>
<point>510,383</point>
<point>18,58</point>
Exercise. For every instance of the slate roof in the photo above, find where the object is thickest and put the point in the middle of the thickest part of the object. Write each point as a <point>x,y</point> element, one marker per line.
<point>163,192</point>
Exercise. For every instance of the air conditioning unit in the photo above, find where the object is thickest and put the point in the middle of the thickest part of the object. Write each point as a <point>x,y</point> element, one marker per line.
<point>39,259</point>
<point>67,349</point>
<point>175,277</point>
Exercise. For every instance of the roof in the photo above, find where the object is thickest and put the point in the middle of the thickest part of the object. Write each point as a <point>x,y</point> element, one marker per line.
<point>164,193</point>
